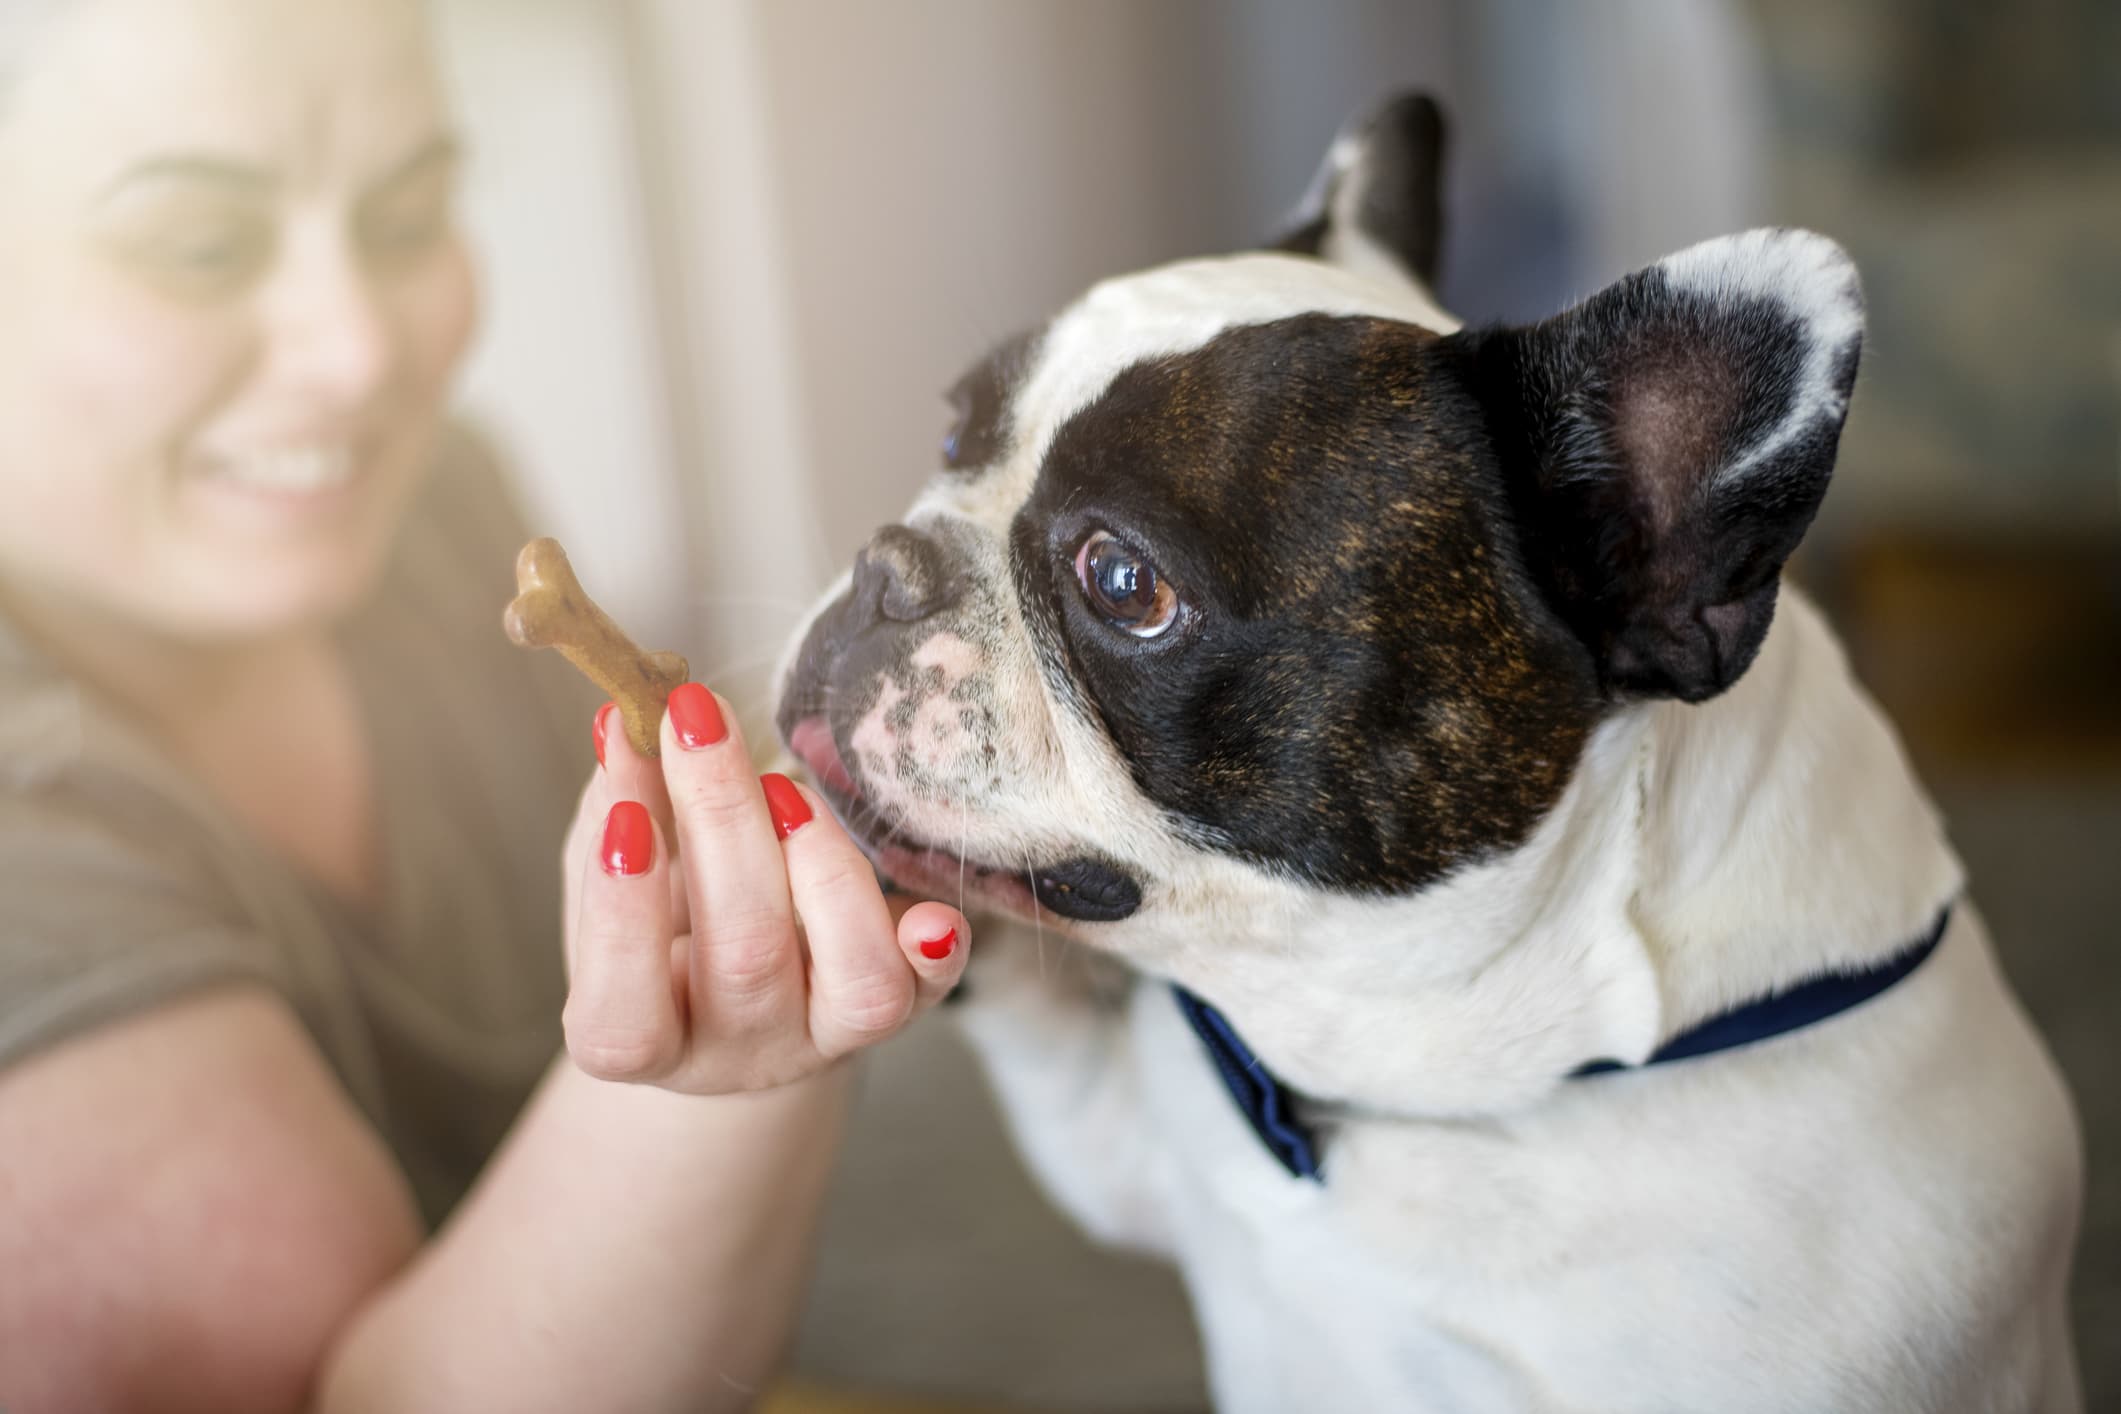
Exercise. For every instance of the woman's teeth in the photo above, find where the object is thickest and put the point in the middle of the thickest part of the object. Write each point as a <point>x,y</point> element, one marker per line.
<point>293,470</point>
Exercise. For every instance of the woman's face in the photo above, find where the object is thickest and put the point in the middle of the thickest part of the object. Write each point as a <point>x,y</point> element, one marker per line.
<point>231,300</point>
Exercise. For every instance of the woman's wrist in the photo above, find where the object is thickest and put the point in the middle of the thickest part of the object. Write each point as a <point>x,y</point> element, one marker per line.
<point>674,1113</point>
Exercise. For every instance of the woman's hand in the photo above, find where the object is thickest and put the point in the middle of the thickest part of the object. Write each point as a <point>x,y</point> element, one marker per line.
<point>687,968</point>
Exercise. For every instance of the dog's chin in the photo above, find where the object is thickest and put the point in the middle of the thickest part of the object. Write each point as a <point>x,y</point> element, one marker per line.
<point>1083,888</point>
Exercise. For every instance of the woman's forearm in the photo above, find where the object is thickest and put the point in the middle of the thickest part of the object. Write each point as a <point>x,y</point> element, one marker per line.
<point>627,1248</point>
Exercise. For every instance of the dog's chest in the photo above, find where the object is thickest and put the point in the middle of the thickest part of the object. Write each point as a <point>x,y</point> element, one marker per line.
<point>1624,1245</point>
<point>1299,1307</point>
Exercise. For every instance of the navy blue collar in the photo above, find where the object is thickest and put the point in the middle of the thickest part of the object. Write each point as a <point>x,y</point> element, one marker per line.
<point>1270,1107</point>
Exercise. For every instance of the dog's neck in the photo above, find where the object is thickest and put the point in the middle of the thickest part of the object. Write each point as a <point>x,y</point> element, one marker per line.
<point>1703,856</point>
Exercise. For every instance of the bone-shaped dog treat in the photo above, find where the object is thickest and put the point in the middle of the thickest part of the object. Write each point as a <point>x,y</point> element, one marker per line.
<point>551,611</point>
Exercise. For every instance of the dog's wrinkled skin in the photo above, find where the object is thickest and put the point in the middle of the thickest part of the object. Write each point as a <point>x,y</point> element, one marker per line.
<point>1477,749</point>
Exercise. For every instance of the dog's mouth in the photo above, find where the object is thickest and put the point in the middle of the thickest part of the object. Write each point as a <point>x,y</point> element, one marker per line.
<point>906,861</point>
<point>1083,888</point>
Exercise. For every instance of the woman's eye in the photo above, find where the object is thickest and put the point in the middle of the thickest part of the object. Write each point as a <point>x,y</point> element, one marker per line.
<point>404,236</point>
<point>205,260</point>
<point>405,230</point>
<point>211,256</point>
<point>1124,586</point>
<point>184,238</point>
<point>401,222</point>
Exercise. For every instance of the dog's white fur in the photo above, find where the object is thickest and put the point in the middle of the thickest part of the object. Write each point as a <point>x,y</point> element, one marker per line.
<point>1872,1213</point>
<point>1801,1226</point>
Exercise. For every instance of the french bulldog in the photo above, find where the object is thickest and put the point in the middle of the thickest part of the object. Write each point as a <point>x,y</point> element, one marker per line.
<point>1451,897</point>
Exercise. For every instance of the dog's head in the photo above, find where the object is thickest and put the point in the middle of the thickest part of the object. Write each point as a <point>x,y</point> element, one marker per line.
<point>1257,573</point>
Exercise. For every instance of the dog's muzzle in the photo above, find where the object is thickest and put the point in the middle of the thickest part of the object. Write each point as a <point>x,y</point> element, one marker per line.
<point>903,580</point>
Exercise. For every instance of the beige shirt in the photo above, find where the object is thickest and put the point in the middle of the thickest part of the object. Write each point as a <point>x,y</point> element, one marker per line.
<point>123,884</point>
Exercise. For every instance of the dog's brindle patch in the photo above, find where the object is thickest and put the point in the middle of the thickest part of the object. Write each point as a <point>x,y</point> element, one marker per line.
<point>1367,689</point>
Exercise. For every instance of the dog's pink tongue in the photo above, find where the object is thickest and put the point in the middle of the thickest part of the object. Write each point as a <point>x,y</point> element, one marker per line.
<point>811,740</point>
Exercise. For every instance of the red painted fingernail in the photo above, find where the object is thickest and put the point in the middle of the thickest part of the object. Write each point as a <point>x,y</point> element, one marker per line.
<point>629,840</point>
<point>936,949</point>
<point>597,728</point>
<point>790,811</point>
<point>696,717</point>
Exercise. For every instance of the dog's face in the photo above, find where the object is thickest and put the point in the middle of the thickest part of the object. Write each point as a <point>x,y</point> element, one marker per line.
<point>1254,578</point>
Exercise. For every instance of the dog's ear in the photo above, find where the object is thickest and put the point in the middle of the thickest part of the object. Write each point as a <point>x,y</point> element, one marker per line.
<point>1375,204</point>
<point>1666,444</point>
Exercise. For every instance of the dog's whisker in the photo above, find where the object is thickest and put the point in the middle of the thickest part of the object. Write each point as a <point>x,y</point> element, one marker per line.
<point>864,817</point>
<point>1068,946</point>
<point>964,826</point>
<point>1038,921</point>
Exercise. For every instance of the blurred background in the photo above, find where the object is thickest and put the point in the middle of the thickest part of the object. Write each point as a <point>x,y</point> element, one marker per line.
<point>735,250</point>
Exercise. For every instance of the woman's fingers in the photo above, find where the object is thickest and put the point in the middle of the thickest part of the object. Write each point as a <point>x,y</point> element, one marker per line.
<point>936,940</point>
<point>743,1000</point>
<point>622,1020</point>
<point>583,833</point>
<point>861,986</point>
<point>634,777</point>
<point>747,969</point>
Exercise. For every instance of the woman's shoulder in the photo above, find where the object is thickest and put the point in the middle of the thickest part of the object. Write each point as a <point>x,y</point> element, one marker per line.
<point>122,883</point>
<point>114,896</point>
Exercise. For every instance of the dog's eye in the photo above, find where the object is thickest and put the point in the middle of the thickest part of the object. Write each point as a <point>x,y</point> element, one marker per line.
<point>1124,586</point>
<point>979,404</point>
<point>970,440</point>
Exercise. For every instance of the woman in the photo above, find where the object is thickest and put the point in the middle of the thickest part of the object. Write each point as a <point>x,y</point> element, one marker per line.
<point>281,967</point>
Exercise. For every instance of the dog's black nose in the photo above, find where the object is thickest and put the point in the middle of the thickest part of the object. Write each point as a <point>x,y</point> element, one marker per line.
<point>901,575</point>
